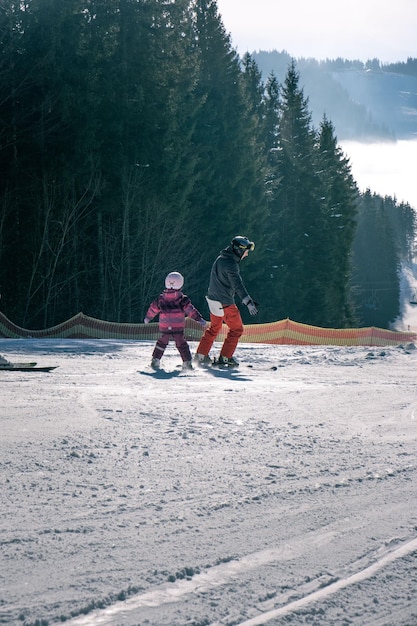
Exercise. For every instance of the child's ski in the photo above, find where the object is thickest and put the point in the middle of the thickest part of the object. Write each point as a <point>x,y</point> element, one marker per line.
<point>160,373</point>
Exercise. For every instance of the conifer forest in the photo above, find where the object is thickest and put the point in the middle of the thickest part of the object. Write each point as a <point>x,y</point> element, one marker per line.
<point>134,141</point>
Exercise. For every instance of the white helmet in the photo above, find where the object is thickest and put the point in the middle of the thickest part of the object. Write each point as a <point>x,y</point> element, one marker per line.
<point>174,280</point>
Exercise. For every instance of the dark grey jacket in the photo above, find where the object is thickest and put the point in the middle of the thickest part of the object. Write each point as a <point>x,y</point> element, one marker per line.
<point>225,278</point>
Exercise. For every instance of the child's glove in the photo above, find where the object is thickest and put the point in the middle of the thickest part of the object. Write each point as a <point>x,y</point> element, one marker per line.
<point>203,323</point>
<point>146,320</point>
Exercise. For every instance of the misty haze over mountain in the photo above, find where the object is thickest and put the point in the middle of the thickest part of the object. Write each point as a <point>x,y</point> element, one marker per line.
<point>365,102</point>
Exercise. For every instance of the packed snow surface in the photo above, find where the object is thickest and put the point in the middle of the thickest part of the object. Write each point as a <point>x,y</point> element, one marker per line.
<point>283,492</point>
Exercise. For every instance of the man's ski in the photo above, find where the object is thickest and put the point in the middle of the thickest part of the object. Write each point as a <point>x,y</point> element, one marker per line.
<point>215,363</point>
<point>271,367</point>
<point>225,366</point>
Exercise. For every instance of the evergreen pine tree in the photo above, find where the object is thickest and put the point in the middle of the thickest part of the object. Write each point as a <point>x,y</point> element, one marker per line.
<point>339,197</point>
<point>229,197</point>
<point>298,241</point>
<point>269,272</point>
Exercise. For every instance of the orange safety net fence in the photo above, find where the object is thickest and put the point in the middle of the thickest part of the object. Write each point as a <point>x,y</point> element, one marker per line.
<point>282,332</point>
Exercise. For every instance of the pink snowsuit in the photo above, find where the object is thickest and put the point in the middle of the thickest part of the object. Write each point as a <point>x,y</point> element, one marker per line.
<point>173,306</point>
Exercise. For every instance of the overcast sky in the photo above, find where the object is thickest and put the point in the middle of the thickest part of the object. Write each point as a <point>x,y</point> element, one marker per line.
<point>351,29</point>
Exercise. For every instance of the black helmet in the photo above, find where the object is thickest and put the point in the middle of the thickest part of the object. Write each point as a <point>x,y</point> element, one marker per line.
<point>241,244</point>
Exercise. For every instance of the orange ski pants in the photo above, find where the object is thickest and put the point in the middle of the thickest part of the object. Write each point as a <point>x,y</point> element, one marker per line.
<point>233,320</point>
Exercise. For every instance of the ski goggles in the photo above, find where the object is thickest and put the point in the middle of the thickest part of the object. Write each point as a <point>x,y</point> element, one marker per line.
<point>246,245</point>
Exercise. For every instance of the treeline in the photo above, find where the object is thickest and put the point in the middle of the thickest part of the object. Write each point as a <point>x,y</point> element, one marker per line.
<point>408,67</point>
<point>340,64</point>
<point>134,141</point>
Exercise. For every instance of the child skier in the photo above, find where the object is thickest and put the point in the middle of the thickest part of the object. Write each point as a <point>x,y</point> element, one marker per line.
<point>173,306</point>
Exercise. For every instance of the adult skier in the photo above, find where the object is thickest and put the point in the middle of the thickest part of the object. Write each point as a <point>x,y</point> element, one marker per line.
<point>225,282</point>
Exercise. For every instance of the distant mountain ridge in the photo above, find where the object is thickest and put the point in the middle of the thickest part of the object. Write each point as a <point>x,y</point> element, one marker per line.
<point>365,102</point>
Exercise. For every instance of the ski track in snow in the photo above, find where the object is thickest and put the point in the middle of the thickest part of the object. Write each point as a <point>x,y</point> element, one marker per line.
<point>212,498</point>
<point>223,573</point>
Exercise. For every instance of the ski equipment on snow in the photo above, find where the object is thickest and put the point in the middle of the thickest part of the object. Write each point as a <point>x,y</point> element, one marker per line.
<point>26,367</point>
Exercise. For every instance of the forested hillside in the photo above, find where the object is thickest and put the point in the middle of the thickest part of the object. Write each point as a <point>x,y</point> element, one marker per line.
<point>365,100</point>
<point>134,141</point>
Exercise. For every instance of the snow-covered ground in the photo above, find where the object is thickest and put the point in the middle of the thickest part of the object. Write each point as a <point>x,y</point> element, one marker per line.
<point>283,492</point>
